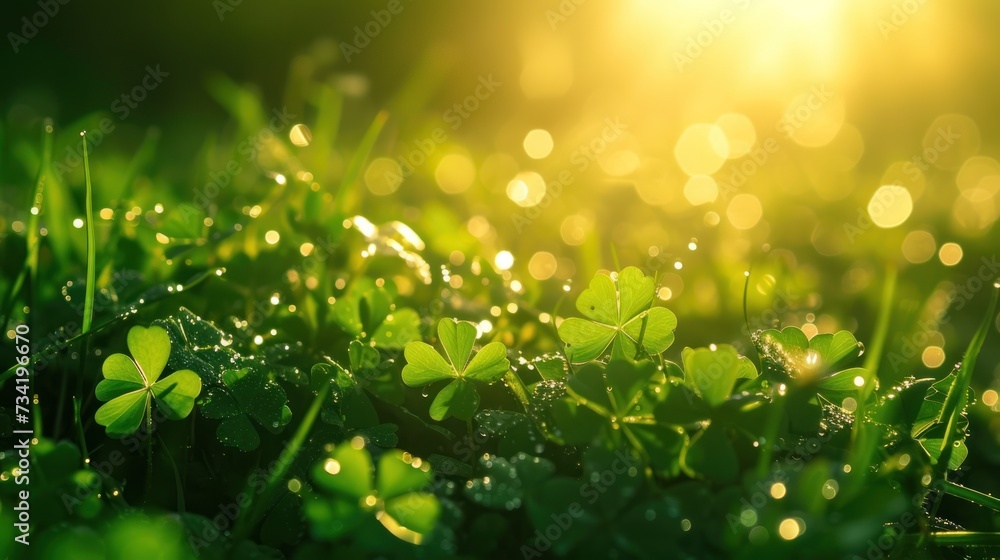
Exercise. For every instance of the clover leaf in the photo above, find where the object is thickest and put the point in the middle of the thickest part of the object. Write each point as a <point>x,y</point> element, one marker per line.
<point>617,399</point>
<point>620,319</point>
<point>348,495</point>
<point>820,360</point>
<point>246,394</point>
<point>712,373</point>
<point>130,386</point>
<point>366,310</point>
<point>459,398</point>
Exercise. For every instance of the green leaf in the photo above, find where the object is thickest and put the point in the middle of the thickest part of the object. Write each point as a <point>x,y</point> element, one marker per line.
<point>457,338</point>
<point>151,349</point>
<point>348,492</point>
<point>400,473</point>
<point>846,380</point>
<point>129,385</point>
<point>489,364</point>
<point>712,374</point>
<point>122,415</point>
<point>246,394</point>
<point>346,472</point>
<point>458,398</point>
<point>790,353</point>
<point>578,425</point>
<point>176,393</point>
<point>400,328</point>
<point>503,482</point>
<point>424,365</point>
<point>711,455</point>
<point>619,318</point>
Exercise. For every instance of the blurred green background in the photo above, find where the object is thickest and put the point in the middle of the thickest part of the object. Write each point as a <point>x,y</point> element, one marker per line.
<point>817,143</point>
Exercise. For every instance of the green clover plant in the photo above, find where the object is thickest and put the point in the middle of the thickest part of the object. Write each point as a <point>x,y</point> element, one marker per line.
<point>131,386</point>
<point>348,495</point>
<point>619,318</point>
<point>459,398</point>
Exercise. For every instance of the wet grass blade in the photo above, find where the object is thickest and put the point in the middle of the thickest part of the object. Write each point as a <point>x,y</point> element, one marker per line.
<point>30,268</point>
<point>360,157</point>
<point>88,305</point>
<point>864,439</point>
<point>149,297</point>
<point>254,510</point>
<point>958,394</point>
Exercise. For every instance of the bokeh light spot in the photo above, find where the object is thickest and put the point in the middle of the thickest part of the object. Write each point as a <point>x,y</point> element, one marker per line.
<point>890,206</point>
<point>538,143</point>
<point>701,149</point>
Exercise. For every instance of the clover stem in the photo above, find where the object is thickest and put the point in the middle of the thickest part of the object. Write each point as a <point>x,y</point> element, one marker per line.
<point>771,434</point>
<point>517,388</point>
<point>79,429</point>
<point>149,445</point>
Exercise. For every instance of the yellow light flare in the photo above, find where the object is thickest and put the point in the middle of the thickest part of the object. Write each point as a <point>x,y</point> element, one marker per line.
<point>890,206</point>
<point>504,260</point>
<point>455,173</point>
<point>542,265</point>
<point>300,135</point>
<point>383,176</point>
<point>950,254</point>
<point>933,356</point>
<point>538,143</point>
<point>701,189</point>
<point>919,247</point>
<point>701,149</point>
<point>740,133</point>
<point>744,211</point>
<point>526,189</point>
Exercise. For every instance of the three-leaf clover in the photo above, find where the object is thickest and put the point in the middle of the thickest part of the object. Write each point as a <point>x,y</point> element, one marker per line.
<point>620,319</point>
<point>619,399</point>
<point>130,387</point>
<point>244,394</point>
<point>707,399</point>
<point>820,360</point>
<point>350,494</point>
<point>459,398</point>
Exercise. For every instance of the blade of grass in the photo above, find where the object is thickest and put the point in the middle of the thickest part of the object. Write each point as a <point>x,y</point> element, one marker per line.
<point>30,268</point>
<point>958,394</point>
<point>974,496</point>
<point>959,538</point>
<point>864,439</point>
<point>54,348</point>
<point>254,510</point>
<point>360,157</point>
<point>79,430</point>
<point>88,305</point>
